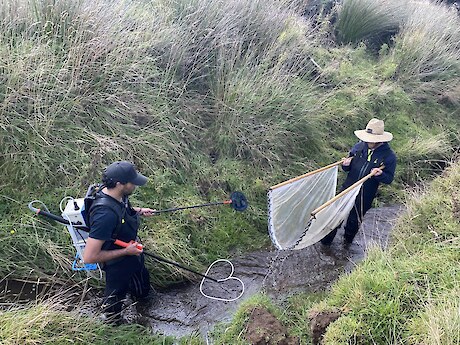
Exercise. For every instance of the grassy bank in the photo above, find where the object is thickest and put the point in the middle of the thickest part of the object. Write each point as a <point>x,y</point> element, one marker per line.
<point>207,97</point>
<point>202,112</point>
<point>407,294</point>
<point>49,323</point>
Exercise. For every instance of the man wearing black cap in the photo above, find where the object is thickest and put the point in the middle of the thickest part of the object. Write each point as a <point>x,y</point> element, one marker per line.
<point>112,217</point>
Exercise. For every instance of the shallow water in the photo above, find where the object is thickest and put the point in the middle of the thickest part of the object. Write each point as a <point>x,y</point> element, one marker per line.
<point>181,311</point>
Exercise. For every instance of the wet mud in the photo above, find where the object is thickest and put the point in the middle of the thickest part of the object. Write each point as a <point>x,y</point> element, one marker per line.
<point>183,310</point>
<point>279,274</point>
<point>14,291</point>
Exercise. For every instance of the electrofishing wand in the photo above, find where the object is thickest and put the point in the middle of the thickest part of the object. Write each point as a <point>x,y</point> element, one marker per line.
<point>159,258</point>
<point>117,242</point>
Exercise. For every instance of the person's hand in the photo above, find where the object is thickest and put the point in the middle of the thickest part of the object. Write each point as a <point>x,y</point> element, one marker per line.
<point>376,171</point>
<point>132,249</point>
<point>347,161</point>
<point>147,212</point>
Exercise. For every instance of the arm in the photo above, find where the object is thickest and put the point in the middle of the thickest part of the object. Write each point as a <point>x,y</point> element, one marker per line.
<point>93,251</point>
<point>386,175</point>
<point>346,165</point>
<point>143,211</point>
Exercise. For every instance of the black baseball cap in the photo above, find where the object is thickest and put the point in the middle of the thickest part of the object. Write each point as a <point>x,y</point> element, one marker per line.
<point>124,172</point>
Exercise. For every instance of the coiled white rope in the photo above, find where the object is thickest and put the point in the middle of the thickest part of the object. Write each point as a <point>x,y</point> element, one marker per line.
<point>229,278</point>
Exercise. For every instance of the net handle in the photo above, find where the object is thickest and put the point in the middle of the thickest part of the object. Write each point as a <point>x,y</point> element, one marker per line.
<point>307,174</point>
<point>327,203</point>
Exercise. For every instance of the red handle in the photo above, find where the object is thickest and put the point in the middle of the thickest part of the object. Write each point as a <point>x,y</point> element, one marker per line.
<point>125,244</point>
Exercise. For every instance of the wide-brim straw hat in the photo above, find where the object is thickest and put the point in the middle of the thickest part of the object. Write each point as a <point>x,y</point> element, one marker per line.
<point>374,132</point>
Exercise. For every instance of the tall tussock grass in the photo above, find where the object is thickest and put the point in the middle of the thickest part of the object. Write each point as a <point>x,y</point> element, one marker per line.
<point>368,20</point>
<point>254,114</point>
<point>427,50</point>
<point>94,81</point>
<point>251,59</point>
<point>424,36</point>
<point>96,97</point>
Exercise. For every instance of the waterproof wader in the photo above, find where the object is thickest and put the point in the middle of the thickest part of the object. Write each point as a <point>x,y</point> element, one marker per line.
<point>126,274</point>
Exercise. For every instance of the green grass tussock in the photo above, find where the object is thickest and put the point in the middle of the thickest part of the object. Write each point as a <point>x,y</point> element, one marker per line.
<point>92,99</point>
<point>438,322</point>
<point>252,61</point>
<point>424,39</point>
<point>427,50</point>
<point>254,116</point>
<point>367,20</point>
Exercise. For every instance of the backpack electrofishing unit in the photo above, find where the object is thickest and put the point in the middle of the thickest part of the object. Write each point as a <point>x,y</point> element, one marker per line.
<point>75,216</point>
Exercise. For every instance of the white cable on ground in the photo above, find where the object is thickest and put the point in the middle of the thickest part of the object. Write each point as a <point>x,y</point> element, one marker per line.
<point>230,277</point>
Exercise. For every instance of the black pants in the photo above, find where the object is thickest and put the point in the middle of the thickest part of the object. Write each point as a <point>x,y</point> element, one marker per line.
<point>354,220</point>
<point>126,275</point>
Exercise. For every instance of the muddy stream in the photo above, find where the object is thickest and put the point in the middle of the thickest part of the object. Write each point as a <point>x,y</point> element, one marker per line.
<point>183,310</point>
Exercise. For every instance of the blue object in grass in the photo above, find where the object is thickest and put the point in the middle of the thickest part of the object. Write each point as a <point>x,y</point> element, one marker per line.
<point>78,265</point>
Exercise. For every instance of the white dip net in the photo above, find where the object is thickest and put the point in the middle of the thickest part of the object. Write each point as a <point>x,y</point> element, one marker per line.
<point>305,209</point>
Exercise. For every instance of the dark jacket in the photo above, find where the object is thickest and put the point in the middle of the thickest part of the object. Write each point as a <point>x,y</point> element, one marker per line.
<point>360,166</point>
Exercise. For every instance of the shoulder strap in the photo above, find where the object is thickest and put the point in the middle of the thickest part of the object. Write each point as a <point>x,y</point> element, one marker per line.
<point>106,202</point>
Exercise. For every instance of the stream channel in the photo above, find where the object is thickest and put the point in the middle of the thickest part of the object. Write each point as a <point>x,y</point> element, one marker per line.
<point>279,274</point>
<point>183,310</point>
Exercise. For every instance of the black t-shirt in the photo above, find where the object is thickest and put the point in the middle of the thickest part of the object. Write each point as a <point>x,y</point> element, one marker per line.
<point>105,222</point>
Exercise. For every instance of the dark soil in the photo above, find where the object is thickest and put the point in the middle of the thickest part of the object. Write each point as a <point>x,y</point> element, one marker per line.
<point>319,320</point>
<point>265,329</point>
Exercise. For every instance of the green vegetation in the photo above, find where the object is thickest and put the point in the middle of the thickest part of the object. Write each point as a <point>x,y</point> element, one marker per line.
<point>427,52</point>
<point>363,20</point>
<point>407,294</point>
<point>212,96</point>
<point>47,323</point>
<point>233,333</point>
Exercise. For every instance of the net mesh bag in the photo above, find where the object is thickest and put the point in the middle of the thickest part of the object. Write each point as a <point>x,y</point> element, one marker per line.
<point>305,209</point>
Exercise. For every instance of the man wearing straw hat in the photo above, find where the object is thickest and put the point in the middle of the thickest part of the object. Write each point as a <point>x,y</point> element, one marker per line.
<point>371,154</point>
